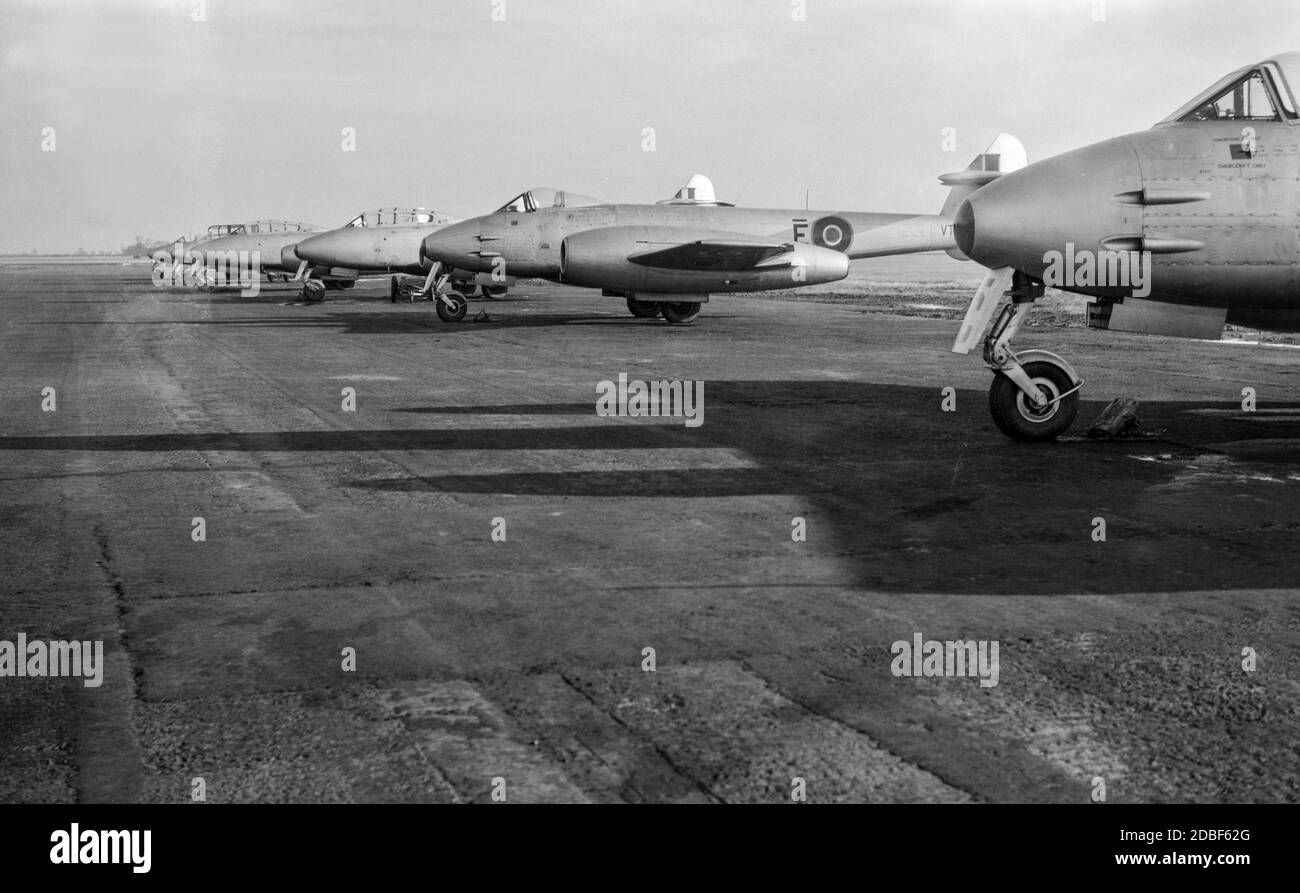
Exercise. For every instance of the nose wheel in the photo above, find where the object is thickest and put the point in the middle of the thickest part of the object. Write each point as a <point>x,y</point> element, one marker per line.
<point>1020,417</point>
<point>451,306</point>
<point>313,290</point>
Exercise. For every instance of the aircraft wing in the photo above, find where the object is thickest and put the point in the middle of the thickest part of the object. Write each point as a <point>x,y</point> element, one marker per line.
<point>710,254</point>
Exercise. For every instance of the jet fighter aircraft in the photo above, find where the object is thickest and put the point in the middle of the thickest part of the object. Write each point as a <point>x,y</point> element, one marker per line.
<point>183,245</point>
<point>666,258</point>
<point>184,254</point>
<point>383,241</point>
<point>272,239</point>
<point>1174,230</point>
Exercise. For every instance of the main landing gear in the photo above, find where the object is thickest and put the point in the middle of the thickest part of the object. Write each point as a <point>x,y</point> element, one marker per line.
<point>643,309</point>
<point>1035,393</point>
<point>678,312</point>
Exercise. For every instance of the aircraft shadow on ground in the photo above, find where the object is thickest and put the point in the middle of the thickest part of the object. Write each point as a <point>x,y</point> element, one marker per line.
<point>377,322</point>
<point>500,313</point>
<point>908,497</point>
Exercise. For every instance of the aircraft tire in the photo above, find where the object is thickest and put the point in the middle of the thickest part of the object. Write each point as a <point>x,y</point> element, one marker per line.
<point>492,292</point>
<point>312,295</point>
<point>452,314</point>
<point>680,313</point>
<point>643,309</point>
<point>1017,419</point>
<point>392,290</point>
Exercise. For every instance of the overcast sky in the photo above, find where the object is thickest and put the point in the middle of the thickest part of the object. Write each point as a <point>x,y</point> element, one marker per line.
<point>163,124</point>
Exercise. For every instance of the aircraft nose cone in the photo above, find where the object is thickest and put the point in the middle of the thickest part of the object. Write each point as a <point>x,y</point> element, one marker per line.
<point>322,249</point>
<point>457,245</point>
<point>1068,200</point>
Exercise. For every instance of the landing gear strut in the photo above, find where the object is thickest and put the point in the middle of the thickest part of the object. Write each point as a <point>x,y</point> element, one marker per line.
<point>1035,393</point>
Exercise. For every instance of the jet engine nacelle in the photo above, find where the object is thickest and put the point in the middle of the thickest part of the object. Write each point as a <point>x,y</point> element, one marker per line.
<point>669,260</point>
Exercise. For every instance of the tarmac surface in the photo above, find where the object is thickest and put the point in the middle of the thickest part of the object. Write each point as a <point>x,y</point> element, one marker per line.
<point>518,666</point>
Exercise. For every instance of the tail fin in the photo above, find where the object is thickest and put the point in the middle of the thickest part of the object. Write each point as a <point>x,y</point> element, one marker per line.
<point>697,191</point>
<point>1004,155</point>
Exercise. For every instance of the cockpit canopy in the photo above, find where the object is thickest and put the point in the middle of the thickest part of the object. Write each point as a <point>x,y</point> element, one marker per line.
<point>1261,92</point>
<point>277,226</point>
<point>542,197</point>
<point>217,230</point>
<point>401,217</point>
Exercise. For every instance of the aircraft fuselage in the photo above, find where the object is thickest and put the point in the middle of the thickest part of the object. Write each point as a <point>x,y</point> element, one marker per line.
<point>532,243</point>
<point>1213,205</point>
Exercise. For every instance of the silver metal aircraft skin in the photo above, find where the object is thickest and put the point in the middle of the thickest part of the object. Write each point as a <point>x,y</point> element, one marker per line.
<point>1201,211</point>
<point>666,258</point>
<point>376,242</point>
<point>272,240</point>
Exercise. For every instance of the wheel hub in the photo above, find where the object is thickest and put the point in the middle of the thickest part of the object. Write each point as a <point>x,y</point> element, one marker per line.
<point>1037,414</point>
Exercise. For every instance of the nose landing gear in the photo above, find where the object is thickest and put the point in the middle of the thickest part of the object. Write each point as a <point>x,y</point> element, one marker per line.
<point>451,305</point>
<point>1035,393</point>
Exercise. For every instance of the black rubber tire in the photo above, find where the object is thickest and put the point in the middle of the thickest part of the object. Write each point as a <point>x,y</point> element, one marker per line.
<point>680,313</point>
<point>392,290</point>
<point>1015,417</point>
<point>492,292</point>
<point>643,309</point>
<point>313,295</point>
<point>449,314</point>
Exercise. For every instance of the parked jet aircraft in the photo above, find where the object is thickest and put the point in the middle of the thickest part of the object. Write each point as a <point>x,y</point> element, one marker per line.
<point>667,258</point>
<point>383,241</point>
<point>1174,230</point>
<point>186,253</point>
<point>272,239</point>
<point>183,245</point>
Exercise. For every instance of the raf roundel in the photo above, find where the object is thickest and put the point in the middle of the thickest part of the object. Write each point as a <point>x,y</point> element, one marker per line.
<point>832,232</point>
